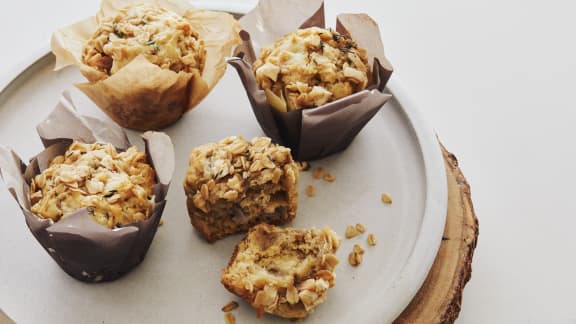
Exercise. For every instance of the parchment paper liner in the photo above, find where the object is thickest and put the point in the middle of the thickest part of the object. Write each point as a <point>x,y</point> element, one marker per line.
<point>141,95</point>
<point>83,248</point>
<point>311,133</point>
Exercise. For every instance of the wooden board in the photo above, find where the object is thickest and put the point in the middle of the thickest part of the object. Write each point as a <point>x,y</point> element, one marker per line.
<point>438,301</point>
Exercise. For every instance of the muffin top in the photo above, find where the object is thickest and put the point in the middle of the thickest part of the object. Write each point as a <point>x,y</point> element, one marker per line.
<point>165,38</point>
<point>117,188</point>
<point>311,67</point>
<point>228,168</point>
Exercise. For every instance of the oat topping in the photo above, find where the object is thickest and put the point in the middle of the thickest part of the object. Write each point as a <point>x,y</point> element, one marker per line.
<point>165,38</point>
<point>360,228</point>
<point>117,187</point>
<point>311,67</point>
<point>283,271</point>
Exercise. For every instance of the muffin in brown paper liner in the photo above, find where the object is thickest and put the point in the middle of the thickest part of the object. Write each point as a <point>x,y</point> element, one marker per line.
<point>142,95</point>
<point>311,133</point>
<point>84,249</point>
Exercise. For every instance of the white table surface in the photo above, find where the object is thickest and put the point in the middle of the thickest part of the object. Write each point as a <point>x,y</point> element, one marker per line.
<point>495,79</point>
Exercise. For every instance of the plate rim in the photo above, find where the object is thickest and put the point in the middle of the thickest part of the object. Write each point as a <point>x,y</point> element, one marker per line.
<point>425,249</point>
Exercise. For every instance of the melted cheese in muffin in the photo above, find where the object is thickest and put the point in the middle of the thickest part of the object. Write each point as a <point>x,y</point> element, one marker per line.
<point>165,38</point>
<point>311,67</point>
<point>116,187</point>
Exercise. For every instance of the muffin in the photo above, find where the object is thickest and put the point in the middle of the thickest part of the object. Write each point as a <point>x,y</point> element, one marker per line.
<point>147,63</point>
<point>235,184</point>
<point>311,88</point>
<point>91,198</point>
<point>311,67</point>
<point>283,271</point>
<point>117,188</point>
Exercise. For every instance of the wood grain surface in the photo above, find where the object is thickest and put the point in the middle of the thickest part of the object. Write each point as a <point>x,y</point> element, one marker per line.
<point>439,299</point>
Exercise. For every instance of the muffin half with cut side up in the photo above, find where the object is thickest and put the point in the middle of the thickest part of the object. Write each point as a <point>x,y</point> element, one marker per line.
<point>283,271</point>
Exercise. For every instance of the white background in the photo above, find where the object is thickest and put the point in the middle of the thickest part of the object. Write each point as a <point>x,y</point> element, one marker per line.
<point>495,79</point>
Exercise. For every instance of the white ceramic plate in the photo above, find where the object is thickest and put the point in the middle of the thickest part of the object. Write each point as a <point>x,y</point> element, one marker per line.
<point>179,279</point>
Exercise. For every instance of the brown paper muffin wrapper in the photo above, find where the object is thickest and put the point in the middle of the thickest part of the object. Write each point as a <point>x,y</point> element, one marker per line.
<point>83,248</point>
<point>311,133</point>
<point>141,95</point>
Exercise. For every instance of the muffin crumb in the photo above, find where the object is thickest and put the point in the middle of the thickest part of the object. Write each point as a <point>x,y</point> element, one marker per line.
<point>317,173</point>
<point>329,177</point>
<point>229,318</point>
<point>310,191</point>
<point>232,305</point>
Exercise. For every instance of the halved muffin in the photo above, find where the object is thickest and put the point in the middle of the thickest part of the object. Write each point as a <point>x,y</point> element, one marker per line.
<point>283,271</point>
<point>235,184</point>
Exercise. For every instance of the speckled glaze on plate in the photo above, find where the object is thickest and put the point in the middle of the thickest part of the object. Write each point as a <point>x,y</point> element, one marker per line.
<point>179,279</point>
